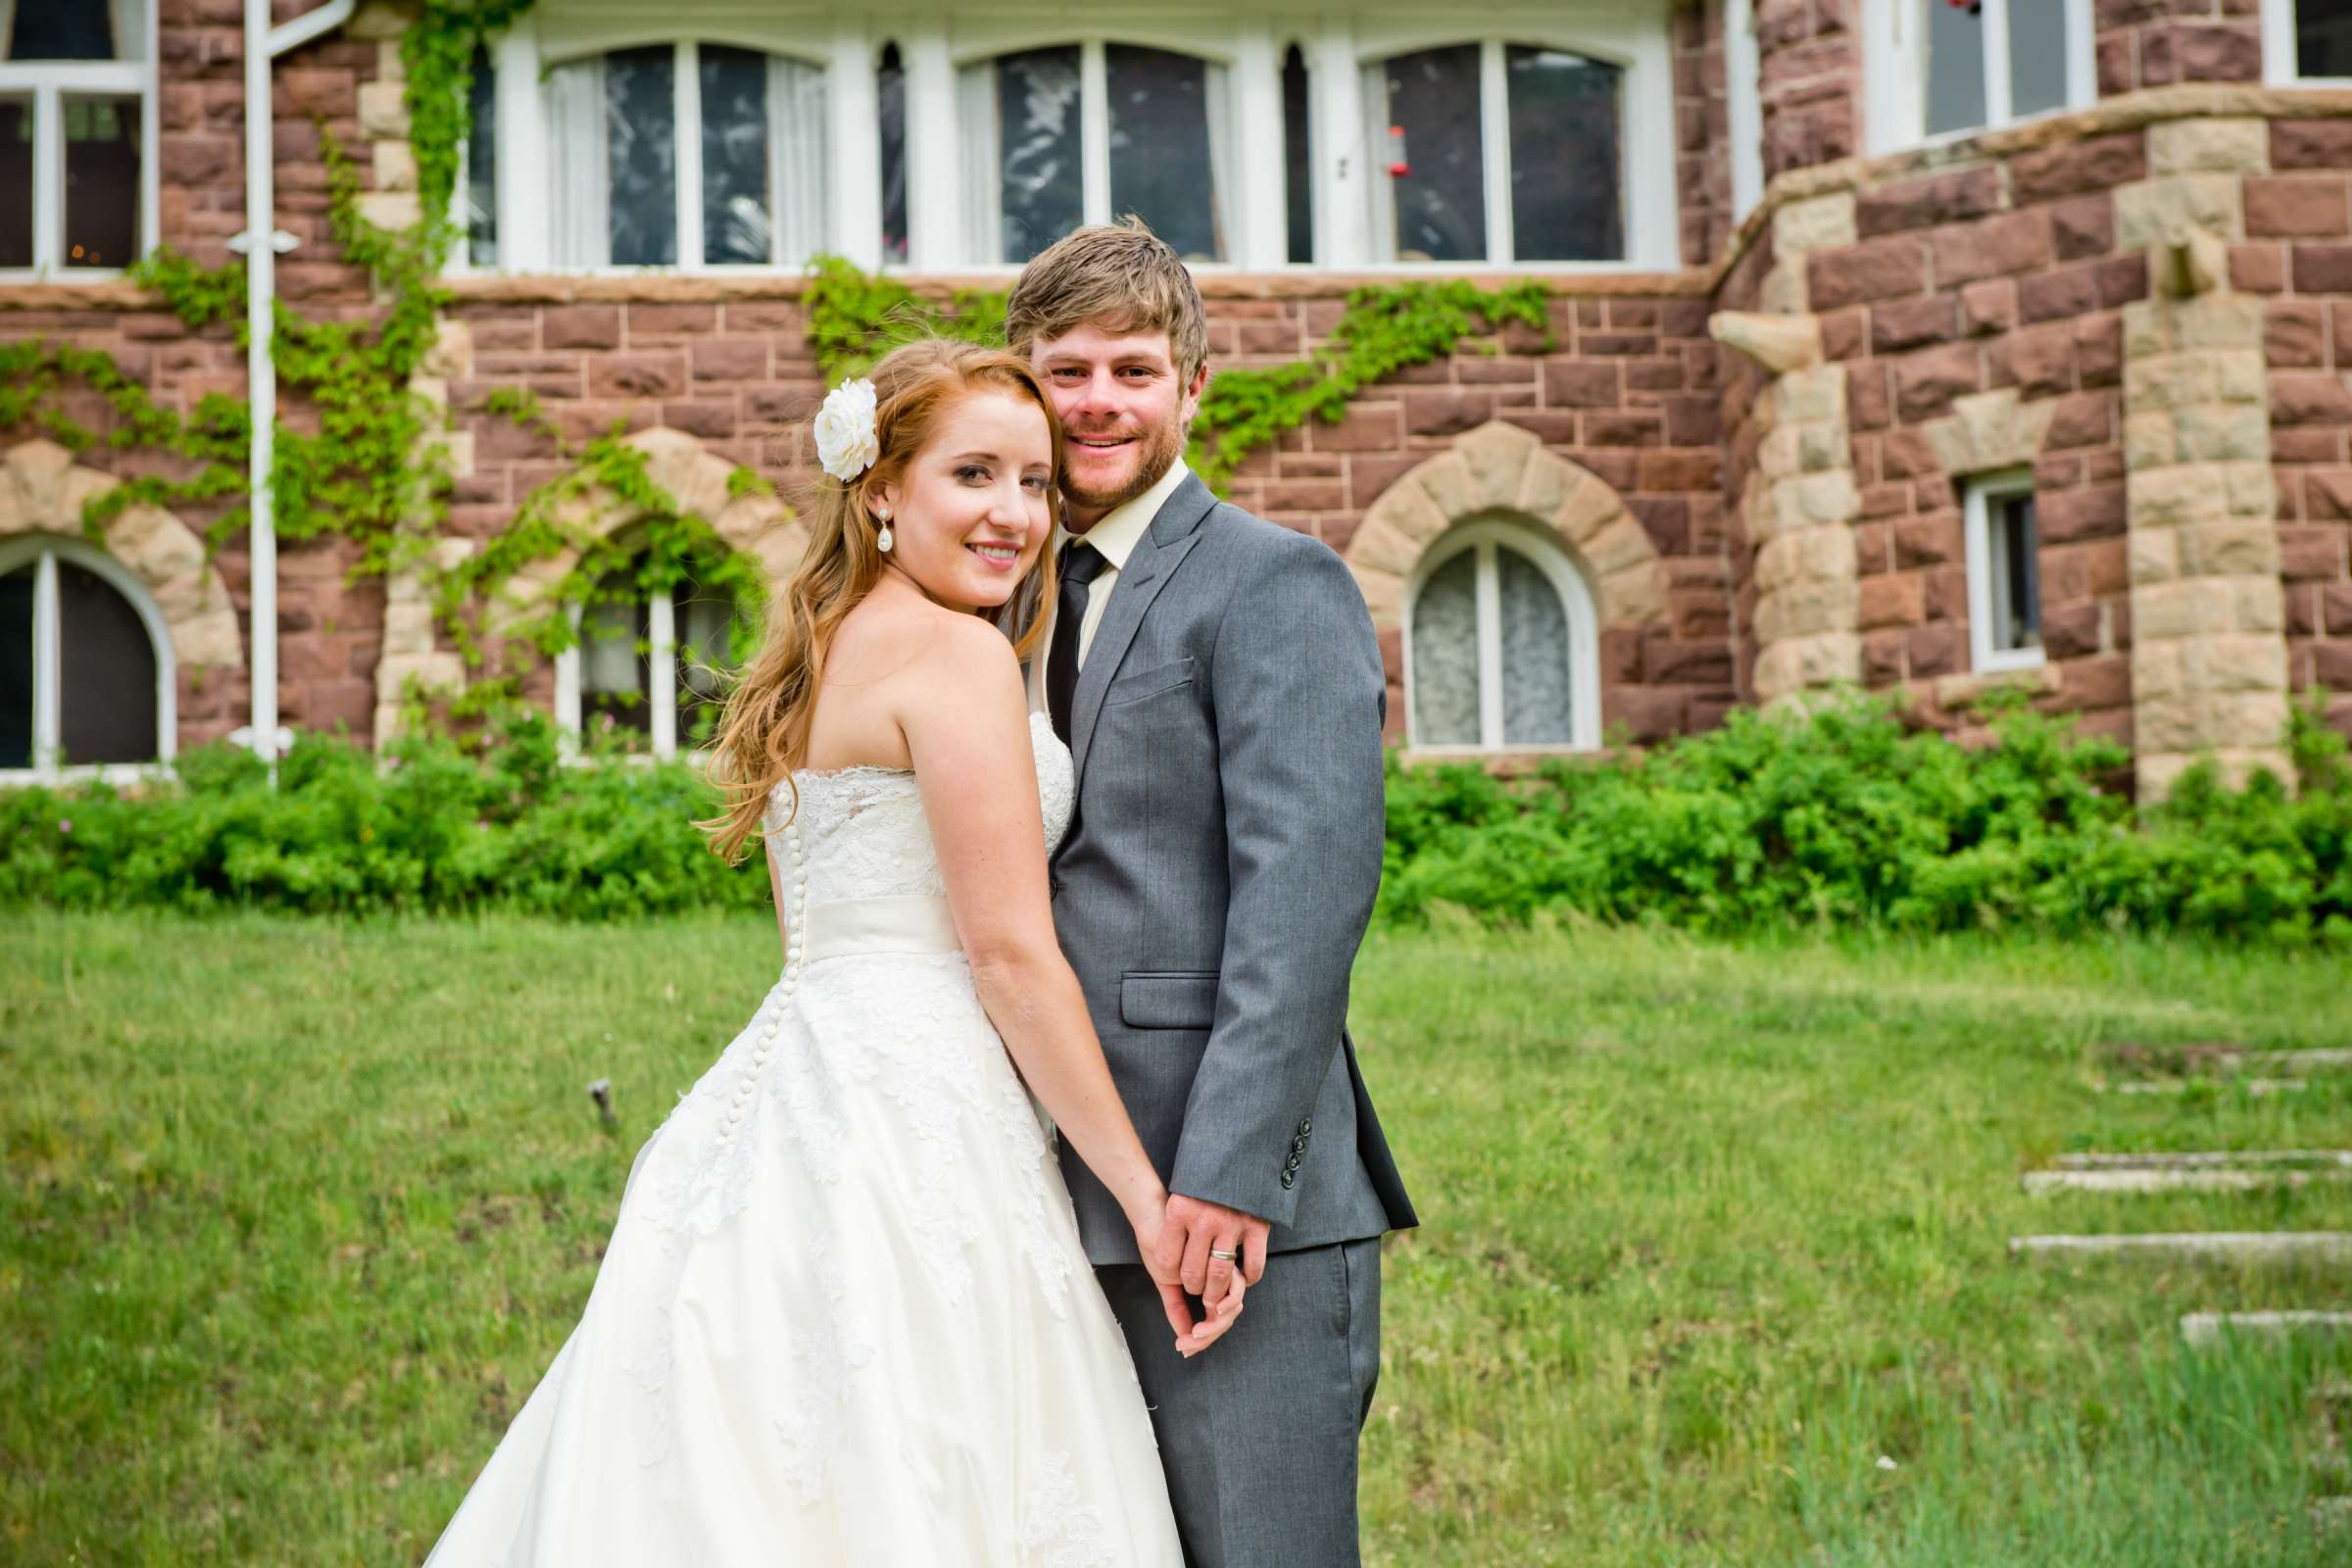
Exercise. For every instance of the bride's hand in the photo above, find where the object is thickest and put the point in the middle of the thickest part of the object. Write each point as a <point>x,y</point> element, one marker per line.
<point>1192,1336</point>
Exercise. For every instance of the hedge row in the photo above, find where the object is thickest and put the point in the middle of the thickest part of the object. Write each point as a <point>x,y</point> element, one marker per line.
<point>1845,817</point>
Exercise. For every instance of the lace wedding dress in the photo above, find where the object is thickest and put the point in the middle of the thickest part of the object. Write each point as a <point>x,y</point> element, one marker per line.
<point>845,1317</point>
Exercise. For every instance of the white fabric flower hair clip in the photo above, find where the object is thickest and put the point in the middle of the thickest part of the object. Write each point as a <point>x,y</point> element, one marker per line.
<point>845,443</point>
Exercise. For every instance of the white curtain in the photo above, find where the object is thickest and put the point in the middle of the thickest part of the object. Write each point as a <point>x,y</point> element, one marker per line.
<point>579,175</point>
<point>983,163</point>
<point>1218,101</point>
<point>797,160</point>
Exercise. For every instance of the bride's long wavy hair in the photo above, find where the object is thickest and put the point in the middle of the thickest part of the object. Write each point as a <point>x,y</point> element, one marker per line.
<point>764,729</point>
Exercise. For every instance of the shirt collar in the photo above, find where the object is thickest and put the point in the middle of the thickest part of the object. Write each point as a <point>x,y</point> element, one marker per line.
<point>1122,528</point>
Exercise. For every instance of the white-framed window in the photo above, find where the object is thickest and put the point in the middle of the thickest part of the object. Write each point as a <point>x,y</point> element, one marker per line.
<point>963,139</point>
<point>648,660</point>
<point>77,190</point>
<point>2307,40</point>
<point>2004,571</point>
<point>1939,69</point>
<point>86,674</point>
<point>1501,644</point>
<point>1075,133</point>
<point>1497,151</point>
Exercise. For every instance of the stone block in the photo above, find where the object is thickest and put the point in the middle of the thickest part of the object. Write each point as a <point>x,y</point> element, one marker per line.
<point>2096,165</point>
<point>1808,608</point>
<point>1494,458</point>
<point>1995,247</point>
<point>1589,508</point>
<point>1891,600</point>
<point>1378,546</point>
<point>395,166</point>
<point>2236,663</point>
<point>2221,432</point>
<point>1777,343</point>
<point>2158,211</point>
<point>393,210</point>
<point>383,110</point>
<point>1817,222</point>
<point>2193,606</point>
<point>1926,203</point>
<point>2208,145</point>
<point>1797,664</point>
<point>1620,545</point>
<point>1876,270</point>
<point>2296,207</point>
<point>2257,604</point>
<point>2153,555</point>
<point>1926,382</point>
<point>1634,595</point>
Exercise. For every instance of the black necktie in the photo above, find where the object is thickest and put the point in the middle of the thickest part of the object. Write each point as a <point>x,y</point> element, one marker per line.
<point>1079,565</point>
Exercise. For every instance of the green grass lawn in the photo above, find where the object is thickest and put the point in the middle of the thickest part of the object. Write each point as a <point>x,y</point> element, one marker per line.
<point>1713,1267</point>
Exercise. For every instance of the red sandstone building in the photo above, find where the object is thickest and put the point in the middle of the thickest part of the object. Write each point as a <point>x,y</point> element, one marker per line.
<point>1897,343</point>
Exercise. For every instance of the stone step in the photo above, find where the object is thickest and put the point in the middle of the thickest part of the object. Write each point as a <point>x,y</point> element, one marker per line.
<point>2205,1328</point>
<point>2042,1183</point>
<point>2221,1057</point>
<point>2204,1159</point>
<point>2333,1513</point>
<point>2226,1246</point>
<point>2331,1059</point>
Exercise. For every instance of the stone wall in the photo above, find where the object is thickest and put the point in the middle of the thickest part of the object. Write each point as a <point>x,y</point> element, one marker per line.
<point>1811,90</point>
<point>2155,43</point>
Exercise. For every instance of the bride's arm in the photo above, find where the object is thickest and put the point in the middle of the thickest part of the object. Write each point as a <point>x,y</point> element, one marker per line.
<point>965,719</point>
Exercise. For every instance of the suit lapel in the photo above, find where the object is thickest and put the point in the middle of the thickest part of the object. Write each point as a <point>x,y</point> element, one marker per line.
<point>1171,537</point>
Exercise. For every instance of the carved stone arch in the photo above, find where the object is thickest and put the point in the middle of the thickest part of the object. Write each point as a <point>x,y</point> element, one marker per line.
<point>42,491</point>
<point>1988,431</point>
<point>1499,468</point>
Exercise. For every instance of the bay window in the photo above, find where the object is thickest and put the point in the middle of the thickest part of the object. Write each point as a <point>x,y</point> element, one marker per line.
<point>976,137</point>
<point>76,134</point>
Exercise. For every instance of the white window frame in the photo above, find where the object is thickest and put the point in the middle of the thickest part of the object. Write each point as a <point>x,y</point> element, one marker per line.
<point>1895,44</point>
<point>1640,46</point>
<point>2279,49</point>
<point>48,668</point>
<point>1743,104</point>
<point>1977,493</point>
<point>48,85</point>
<point>662,696</point>
<point>1567,577</point>
<point>1338,45</point>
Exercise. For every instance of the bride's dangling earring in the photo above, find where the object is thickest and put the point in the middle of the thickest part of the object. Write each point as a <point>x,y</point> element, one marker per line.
<point>883,540</point>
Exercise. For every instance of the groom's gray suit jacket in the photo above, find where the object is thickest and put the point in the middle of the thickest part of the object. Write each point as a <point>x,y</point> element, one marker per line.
<point>1217,876</point>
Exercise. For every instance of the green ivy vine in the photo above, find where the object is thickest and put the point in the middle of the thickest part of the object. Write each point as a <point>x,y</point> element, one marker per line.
<point>363,461</point>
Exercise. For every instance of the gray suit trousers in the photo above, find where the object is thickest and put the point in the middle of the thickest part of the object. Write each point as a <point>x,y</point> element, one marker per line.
<point>1258,1433</point>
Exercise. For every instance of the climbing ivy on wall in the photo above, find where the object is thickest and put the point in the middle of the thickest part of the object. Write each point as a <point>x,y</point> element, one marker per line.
<point>362,463</point>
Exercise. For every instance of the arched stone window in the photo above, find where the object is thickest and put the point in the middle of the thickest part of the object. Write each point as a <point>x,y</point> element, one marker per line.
<point>86,674</point>
<point>1500,644</point>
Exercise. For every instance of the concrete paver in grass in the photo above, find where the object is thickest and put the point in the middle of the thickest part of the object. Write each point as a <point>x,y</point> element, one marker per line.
<point>2205,1158</point>
<point>2044,1182</point>
<point>2227,1246</point>
<point>2207,1328</point>
<point>2260,1087</point>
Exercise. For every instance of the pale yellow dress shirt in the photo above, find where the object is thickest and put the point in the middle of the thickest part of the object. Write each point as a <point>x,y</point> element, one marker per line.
<point>1116,535</point>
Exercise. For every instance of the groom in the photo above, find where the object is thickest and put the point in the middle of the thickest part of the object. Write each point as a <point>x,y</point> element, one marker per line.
<point>1217,679</point>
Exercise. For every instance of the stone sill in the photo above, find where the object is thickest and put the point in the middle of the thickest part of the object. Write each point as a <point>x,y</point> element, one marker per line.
<point>718,287</point>
<point>105,294</point>
<point>1501,764</point>
<point>1963,690</point>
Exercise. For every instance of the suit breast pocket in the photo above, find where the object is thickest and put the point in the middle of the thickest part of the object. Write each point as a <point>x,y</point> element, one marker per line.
<point>1143,685</point>
<point>1168,999</point>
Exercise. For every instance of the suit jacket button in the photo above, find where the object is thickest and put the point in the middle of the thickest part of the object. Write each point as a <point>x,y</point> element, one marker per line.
<point>1054,884</point>
<point>1290,1179</point>
<point>1307,1126</point>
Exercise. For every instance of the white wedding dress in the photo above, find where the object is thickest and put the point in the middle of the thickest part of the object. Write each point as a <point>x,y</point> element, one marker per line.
<point>845,1317</point>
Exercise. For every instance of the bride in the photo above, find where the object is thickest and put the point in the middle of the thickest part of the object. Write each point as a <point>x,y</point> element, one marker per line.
<point>845,1317</point>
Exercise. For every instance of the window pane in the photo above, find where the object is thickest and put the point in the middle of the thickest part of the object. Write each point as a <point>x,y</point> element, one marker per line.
<point>1042,182</point>
<point>736,222</point>
<point>1534,655</point>
<point>106,693</point>
<point>15,668</point>
<point>2323,37</point>
<point>1167,146</point>
<point>102,182</point>
<point>481,164</point>
<point>890,87</point>
<point>1441,198</point>
<point>62,29</point>
<point>16,182</point>
<point>703,617</point>
<point>1567,196</point>
<point>1955,68</point>
<point>1297,157</point>
<point>2036,57</point>
<point>1445,655</point>
<point>2016,575</point>
<point>613,672</point>
<point>642,157</point>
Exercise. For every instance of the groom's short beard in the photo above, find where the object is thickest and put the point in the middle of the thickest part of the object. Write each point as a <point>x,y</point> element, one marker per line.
<point>1161,449</point>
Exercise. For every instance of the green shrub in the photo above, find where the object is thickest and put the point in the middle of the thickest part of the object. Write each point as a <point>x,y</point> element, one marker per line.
<point>1844,817</point>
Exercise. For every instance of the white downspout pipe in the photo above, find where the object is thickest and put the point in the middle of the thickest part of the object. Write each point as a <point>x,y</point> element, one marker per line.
<point>263,46</point>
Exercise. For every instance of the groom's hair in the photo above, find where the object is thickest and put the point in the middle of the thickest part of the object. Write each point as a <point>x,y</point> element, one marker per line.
<point>1119,276</point>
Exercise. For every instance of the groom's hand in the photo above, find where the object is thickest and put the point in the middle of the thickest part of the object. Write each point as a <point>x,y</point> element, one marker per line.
<point>1195,1229</point>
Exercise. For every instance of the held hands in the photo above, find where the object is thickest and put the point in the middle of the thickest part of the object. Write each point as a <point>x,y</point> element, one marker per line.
<point>1191,1337</point>
<point>1182,1262</point>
